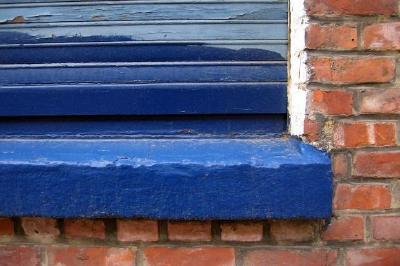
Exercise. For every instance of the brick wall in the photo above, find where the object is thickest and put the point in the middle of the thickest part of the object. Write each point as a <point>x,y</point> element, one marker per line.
<point>353,110</point>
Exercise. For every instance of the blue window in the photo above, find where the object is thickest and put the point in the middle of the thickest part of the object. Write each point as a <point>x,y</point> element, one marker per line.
<point>122,108</point>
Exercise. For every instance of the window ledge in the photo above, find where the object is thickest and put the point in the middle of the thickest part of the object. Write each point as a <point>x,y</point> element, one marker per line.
<point>165,178</point>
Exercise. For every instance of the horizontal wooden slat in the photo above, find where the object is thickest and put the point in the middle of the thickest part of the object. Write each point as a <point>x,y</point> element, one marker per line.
<point>150,73</point>
<point>131,11</point>
<point>132,126</point>
<point>78,2</point>
<point>162,99</point>
<point>146,32</point>
<point>142,53</point>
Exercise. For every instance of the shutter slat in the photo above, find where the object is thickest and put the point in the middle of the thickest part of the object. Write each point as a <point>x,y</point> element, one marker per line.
<point>131,11</point>
<point>150,99</point>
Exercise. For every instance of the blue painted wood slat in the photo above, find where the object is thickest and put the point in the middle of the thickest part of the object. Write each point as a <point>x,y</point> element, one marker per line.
<point>134,126</point>
<point>142,52</point>
<point>142,11</point>
<point>146,31</point>
<point>142,73</point>
<point>150,99</point>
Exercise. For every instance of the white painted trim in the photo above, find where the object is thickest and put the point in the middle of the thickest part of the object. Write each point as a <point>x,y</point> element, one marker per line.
<point>298,72</point>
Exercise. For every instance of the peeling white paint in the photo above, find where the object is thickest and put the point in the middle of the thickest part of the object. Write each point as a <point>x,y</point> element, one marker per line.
<point>298,71</point>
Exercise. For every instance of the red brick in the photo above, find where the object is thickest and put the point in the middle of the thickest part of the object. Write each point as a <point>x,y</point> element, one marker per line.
<point>381,101</point>
<point>384,134</point>
<point>42,230</point>
<point>296,231</point>
<point>352,70</point>
<point>201,256</point>
<point>377,164</point>
<point>84,228</point>
<point>245,231</point>
<point>137,230</point>
<point>331,37</point>
<point>291,257</point>
<point>19,256</point>
<point>331,102</point>
<point>382,36</point>
<point>189,231</point>
<point>363,134</point>
<point>351,7</point>
<point>373,257</point>
<point>312,130</point>
<point>345,229</point>
<point>90,256</point>
<point>363,197</point>
<point>386,227</point>
<point>6,227</point>
<point>339,165</point>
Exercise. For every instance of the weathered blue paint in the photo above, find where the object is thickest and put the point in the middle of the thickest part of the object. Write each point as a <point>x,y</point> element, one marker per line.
<point>144,73</point>
<point>89,53</point>
<point>134,126</point>
<point>143,99</point>
<point>142,11</point>
<point>165,179</point>
<point>146,31</point>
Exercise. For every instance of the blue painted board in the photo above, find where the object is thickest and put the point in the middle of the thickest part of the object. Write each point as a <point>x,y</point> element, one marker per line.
<point>142,52</point>
<point>133,126</point>
<point>146,99</point>
<point>145,31</point>
<point>141,11</point>
<point>143,73</point>
<point>165,179</point>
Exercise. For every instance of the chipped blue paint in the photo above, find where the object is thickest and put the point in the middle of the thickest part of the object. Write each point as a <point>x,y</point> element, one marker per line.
<point>165,179</point>
<point>134,11</point>
<point>150,31</point>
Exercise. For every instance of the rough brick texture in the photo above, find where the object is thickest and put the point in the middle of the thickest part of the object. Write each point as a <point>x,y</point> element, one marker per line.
<point>380,101</point>
<point>331,37</point>
<point>291,257</point>
<point>294,231</point>
<point>362,197</point>
<point>137,230</point>
<point>351,7</point>
<point>84,228</point>
<point>382,36</point>
<point>386,227</point>
<point>19,255</point>
<point>90,256</point>
<point>241,231</point>
<point>364,134</point>
<point>352,70</point>
<point>6,227</point>
<point>377,164</point>
<point>337,102</point>
<point>189,231</point>
<point>373,257</point>
<point>210,256</point>
<point>43,230</point>
<point>345,229</point>
<point>352,110</point>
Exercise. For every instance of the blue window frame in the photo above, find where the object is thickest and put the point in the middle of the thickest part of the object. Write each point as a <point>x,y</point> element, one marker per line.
<point>95,97</point>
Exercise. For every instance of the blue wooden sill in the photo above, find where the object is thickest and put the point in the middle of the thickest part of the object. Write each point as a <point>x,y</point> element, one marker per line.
<point>165,178</point>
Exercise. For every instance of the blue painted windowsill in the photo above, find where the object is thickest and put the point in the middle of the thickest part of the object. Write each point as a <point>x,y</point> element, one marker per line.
<point>165,178</point>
